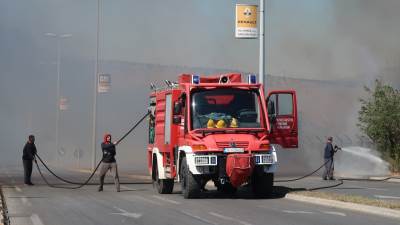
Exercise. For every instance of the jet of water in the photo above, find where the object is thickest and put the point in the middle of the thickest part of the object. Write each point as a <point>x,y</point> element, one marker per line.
<point>356,161</point>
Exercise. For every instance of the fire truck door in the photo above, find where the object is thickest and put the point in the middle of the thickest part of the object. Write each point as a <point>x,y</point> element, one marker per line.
<point>282,115</point>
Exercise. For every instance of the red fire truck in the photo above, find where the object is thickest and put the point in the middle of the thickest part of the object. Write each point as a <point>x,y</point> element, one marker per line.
<point>218,128</point>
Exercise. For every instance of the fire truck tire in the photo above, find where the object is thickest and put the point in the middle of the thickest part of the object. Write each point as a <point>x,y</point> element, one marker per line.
<point>164,186</point>
<point>190,187</point>
<point>262,183</point>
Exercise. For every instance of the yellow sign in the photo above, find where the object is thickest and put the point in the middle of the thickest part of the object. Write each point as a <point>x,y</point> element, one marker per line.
<point>246,21</point>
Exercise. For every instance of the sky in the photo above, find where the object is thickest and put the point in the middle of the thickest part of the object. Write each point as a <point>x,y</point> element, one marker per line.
<point>327,40</point>
<point>317,39</point>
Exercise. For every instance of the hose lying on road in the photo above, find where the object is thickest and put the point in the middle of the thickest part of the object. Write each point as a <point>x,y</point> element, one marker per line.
<point>302,177</point>
<point>66,181</point>
<point>91,175</point>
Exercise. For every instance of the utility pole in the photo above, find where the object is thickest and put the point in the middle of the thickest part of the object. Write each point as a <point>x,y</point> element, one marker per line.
<point>262,50</point>
<point>94,137</point>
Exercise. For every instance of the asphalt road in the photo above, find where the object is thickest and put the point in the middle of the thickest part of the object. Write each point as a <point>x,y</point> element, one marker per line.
<point>140,204</point>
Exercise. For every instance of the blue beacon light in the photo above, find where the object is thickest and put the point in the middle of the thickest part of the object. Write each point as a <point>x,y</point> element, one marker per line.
<point>195,79</point>
<point>252,79</point>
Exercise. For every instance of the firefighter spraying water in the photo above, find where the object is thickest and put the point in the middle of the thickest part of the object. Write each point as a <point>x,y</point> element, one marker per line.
<point>218,128</point>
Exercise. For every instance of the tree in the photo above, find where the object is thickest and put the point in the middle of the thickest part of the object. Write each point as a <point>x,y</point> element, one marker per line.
<point>379,120</point>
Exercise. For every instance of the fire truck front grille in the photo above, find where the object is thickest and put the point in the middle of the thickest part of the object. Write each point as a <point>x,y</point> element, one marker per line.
<point>235,144</point>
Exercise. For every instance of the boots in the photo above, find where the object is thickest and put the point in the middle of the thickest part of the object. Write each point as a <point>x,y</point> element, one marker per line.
<point>101,183</point>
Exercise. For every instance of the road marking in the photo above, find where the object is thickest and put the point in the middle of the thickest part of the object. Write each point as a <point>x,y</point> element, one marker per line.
<point>229,218</point>
<point>197,217</point>
<point>36,220</point>
<point>128,188</point>
<point>335,213</point>
<point>297,212</point>
<point>126,213</point>
<point>368,188</point>
<point>377,189</point>
<point>166,200</point>
<point>147,200</point>
<point>386,197</point>
<point>18,189</point>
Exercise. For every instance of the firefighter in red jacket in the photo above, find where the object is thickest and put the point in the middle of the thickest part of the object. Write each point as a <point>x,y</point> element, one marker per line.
<point>108,162</point>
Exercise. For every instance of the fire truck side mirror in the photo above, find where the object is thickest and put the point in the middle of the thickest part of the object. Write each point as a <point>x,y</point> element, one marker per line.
<point>177,108</point>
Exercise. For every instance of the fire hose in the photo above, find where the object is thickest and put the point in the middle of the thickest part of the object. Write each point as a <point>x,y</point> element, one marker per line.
<point>80,185</point>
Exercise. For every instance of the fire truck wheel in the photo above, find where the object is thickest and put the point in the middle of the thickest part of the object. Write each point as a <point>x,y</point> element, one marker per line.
<point>164,186</point>
<point>262,183</point>
<point>190,187</point>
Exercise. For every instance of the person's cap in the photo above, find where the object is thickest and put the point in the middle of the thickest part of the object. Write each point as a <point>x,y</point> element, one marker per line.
<point>330,138</point>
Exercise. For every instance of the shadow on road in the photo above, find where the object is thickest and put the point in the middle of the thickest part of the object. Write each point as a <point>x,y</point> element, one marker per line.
<point>245,193</point>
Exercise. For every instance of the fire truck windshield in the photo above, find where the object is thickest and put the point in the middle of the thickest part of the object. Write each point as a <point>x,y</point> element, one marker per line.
<point>226,108</point>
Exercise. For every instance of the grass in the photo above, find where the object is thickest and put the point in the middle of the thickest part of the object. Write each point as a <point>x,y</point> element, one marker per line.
<point>351,198</point>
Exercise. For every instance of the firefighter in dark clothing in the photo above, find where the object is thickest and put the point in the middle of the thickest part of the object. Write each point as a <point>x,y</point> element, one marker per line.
<point>329,152</point>
<point>28,156</point>
<point>108,162</point>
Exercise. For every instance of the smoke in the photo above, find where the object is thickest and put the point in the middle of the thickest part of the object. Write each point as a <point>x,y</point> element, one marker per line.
<point>326,50</point>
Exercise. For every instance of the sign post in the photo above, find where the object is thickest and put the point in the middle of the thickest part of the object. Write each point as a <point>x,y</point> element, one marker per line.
<point>246,28</point>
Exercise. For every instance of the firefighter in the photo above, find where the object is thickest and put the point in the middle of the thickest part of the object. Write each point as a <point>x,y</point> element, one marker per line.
<point>108,162</point>
<point>329,152</point>
<point>28,156</point>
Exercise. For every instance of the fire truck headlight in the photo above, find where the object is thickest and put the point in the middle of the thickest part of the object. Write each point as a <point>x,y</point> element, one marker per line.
<point>205,160</point>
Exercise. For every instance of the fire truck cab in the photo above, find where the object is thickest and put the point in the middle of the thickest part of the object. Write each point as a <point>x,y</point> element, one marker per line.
<point>218,128</point>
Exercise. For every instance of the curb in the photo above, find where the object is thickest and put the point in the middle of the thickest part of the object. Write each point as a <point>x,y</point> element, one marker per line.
<point>3,209</point>
<point>394,180</point>
<point>347,205</point>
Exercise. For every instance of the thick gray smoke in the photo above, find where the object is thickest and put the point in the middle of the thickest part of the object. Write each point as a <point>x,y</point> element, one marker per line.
<point>326,50</point>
